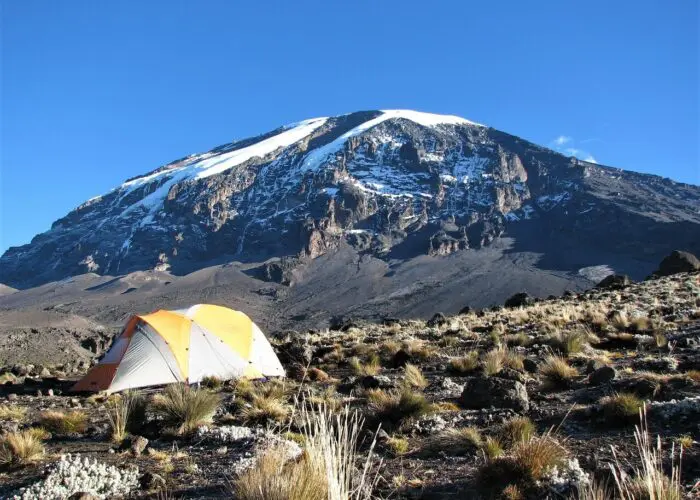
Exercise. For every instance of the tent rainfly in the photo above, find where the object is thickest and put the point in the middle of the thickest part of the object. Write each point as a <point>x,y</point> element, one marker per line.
<point>184,345</point>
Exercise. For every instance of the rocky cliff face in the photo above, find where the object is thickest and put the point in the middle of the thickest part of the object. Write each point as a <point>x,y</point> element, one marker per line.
<point>395,184</point>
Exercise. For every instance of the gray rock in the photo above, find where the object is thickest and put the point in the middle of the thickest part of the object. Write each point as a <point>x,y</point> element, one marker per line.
<point>614,282</point>
<point>530,365</point>
<point>602,375</point>
<point>519,300</point>
<point>151,481</point>
<point>138,444</point>
<point>438,319</point>
<point>678,262</point>
<point>486,392</point>
<point>510,374</point>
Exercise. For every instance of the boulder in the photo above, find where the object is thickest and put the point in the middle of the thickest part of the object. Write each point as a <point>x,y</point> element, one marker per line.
<point>519,300</point>
<point>602,375</point>
<point>530,365</point>
<point>465,310</point>
<point>614,282</point>
<point>151,481</point>
<point>678,262</point>
<point>438,319</point>
<point>487,392</point>
<point>400,359</point>
<point>510,374</point>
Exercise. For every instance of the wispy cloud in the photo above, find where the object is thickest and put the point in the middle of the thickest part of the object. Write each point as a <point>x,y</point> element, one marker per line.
<point>568,146</point>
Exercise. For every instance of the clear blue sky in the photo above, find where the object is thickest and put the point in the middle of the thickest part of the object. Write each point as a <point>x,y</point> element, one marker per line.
<point>94,92</point>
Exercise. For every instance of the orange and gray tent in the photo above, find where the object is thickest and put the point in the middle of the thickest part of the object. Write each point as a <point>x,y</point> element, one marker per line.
<point>184,345</point>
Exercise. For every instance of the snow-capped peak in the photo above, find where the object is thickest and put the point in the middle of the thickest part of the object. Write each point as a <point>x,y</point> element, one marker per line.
<point>427,119</point>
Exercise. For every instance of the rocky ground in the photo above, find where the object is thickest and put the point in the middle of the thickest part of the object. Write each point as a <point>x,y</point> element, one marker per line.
<point>453,398</point>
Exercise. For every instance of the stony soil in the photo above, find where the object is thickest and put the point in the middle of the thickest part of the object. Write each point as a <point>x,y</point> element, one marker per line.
<point>648,334</point>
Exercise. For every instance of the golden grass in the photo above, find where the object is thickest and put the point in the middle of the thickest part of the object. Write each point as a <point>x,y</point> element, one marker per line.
<point>454,441</point>
<point>264,409</point>
<point>372,366</point>
<point>183,409</point>
<point>516,430</point>
<point>556,372</point>
<point>125,413</point>
<point>648,481</point>
<point>56,422</point>
<point>464,364</point>
<point>12,413</point>
<point>326,471</point>
<point>397,445</point>
<point>413,377</point>
<point>397,407</point>
<point>20,448</point>
<point>621,408</point>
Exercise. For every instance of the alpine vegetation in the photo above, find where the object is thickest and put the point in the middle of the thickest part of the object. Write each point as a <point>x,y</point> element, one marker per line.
<point>73,474</point>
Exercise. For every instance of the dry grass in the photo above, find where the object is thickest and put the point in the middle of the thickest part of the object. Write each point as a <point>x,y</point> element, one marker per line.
<point>516,430</point>
<point>419,349</point>
<point>539,455</point>
<point>12,413</point>
<point>465,364</point>
<point>621,408</point>
<point>397,445</point>
<point>557,373</point>
<point>493,362</point>
<point>570,342</point>
<point>648,481</point>
<point>397,407</point>
<point>125,414</point>
<point>372,366</point>
<point>526,463</point>
<point>594,490</point>
<point>19,448</point>
<point>273,478</point>
<point>454,441</point>
<point>56,422</point>
<point>264,409</point>
<point>326,471</point>
<point>492,448</point>
<point>413,377</point>
<point>183,409</point>
<point>212,382</point>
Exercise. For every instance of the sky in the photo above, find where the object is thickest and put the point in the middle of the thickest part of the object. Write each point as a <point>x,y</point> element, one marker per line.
<point>93,93</point>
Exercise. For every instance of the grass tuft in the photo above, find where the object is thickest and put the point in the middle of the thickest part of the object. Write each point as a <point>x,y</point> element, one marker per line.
<point>516,430</point>
<point>125,413</point>
<point>398,407</point>
<point>370,367</point>
<point>20,448</point>
<point>12,413</point>
<point>183,408</point>
<point>454,441</point>
<point>649,481</point>
<point>621,408</point>
<point>413,377</point>
<point>56,422</point>
<point>466,364</point>
<point>557,373</point>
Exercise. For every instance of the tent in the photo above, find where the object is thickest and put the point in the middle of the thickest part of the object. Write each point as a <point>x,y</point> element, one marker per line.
<point>184,345</point>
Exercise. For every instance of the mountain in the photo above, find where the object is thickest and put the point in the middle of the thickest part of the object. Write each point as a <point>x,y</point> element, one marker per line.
<point>391,183</point>
<point>368,214</point>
